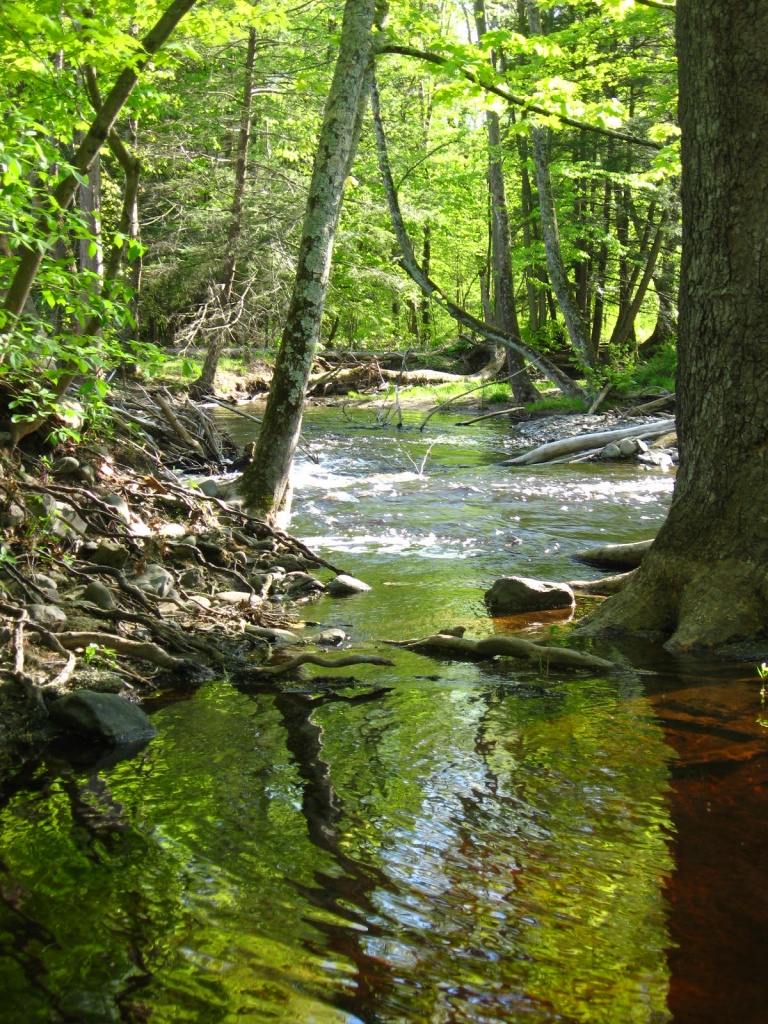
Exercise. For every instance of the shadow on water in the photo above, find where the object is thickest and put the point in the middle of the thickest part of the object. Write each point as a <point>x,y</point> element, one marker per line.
<point>478,844</point>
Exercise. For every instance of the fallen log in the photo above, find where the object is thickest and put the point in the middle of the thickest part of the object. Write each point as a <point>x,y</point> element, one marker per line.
<point>581,442</point>
<point>615,556</point>
<point>505,647</point>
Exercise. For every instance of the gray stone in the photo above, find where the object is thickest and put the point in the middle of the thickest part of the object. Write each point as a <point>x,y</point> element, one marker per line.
<point>208,487</point>
<point>628,447</point>
<point>102,716</point>
<point>155,580</point>
<point>118,504</point>
<point>341,586</point>
<point>99,595</point>
<point>192,579</point>
<point>330,637</point>
<point>73,523</point>
<point>110,553</point>
<point>87,473</point>
<point>65,467</point>
<point>46,582</point>
<point>301,583</point>
<point>49,616</point>
<point>514,595</point>
<point>13,516</point>
<point>237,597</point>
<point>291,563</point>
<point>611,451</point>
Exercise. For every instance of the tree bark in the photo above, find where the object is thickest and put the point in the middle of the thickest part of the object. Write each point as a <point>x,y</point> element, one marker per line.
<point>558,275</point>
<point>703,582</point>
<point>205,384</point>
<point>266,482</point>
<point>523,389</point>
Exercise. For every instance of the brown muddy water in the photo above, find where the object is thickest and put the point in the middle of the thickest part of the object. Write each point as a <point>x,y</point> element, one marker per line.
<point>480,844</point>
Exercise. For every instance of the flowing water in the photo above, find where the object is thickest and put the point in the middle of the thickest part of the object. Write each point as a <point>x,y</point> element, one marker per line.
<point>479,843</point>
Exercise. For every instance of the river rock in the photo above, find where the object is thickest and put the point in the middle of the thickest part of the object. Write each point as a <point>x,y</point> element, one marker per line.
<point>71,523</point>
<point>611,451</point>
<point>192,579</point>
<point>155,580</point>
<point>109,553</point>
<point>330,637</point>
<point>208,487</point>
<point>102,717</point>
<point>237,597</point>
<point>119,505</point>
<point>49,616</point>
<point>96,593</point>
<point>343,585</point>
<point>514,595</point>
<point>302,583</point>
<point>68,466</point>
<point>13,516</point>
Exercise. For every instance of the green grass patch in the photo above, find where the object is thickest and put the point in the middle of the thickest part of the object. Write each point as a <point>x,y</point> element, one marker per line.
<point>557,405</point>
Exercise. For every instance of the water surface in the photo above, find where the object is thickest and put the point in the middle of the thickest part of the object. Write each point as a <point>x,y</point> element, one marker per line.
<point>482,843</point>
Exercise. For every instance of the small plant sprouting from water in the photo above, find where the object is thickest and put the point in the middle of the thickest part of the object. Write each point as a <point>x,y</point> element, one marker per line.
<point>762,671</point>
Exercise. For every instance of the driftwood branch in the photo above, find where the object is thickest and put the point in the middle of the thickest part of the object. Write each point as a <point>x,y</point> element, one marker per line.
<point>581,442</point>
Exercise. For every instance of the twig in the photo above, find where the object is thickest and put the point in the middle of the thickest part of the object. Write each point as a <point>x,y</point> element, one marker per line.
<point>315,659</point>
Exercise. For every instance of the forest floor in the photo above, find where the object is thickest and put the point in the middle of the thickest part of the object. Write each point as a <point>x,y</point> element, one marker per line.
<point>120,577</point>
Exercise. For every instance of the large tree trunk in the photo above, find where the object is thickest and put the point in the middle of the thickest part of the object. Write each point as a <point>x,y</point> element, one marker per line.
<point>266,481</point>
<point>704,581</point>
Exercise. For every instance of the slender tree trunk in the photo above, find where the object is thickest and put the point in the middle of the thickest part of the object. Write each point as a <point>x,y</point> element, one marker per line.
<point>266,481</point>
<point>558,275</point>
<point>523,389</point>
<point>703,582</point>
<point>205,384</point>
<point>626,324</point>
<point>409,264</point>
<point>598,313</point>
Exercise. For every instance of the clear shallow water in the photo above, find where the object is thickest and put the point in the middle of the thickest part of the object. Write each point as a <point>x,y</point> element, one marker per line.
<point>481,844</point>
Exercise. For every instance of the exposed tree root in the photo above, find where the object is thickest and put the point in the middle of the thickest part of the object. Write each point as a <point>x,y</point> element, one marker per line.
<point>505,647</point>
<point>282,668</point>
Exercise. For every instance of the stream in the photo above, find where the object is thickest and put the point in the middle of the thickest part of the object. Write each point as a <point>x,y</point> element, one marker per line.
<point>480,843</point>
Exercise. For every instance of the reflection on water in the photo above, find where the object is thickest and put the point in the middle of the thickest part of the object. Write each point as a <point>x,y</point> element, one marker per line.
<point>477,845</point>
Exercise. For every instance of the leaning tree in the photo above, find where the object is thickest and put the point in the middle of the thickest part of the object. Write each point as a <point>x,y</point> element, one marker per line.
<point>704,581</point>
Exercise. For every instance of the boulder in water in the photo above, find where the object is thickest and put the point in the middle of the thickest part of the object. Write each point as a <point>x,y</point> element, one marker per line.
<point>515,595</point>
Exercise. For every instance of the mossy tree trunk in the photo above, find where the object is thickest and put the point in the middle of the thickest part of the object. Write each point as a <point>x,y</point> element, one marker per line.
<point>704,581</point>
<point>266,481</point>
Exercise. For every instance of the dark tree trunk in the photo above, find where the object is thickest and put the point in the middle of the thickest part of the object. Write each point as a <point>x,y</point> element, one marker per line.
<point>205,384</point>
<point>703,582</point>
<point>266,481</point>
<point>523,389</point>
<point>558,276</point>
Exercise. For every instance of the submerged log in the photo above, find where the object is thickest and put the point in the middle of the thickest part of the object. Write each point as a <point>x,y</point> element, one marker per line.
<point>504,647</point>
<point>581,442</point>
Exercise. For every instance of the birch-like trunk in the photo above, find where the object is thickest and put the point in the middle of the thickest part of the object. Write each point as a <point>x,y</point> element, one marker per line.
<point>266,482</point>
